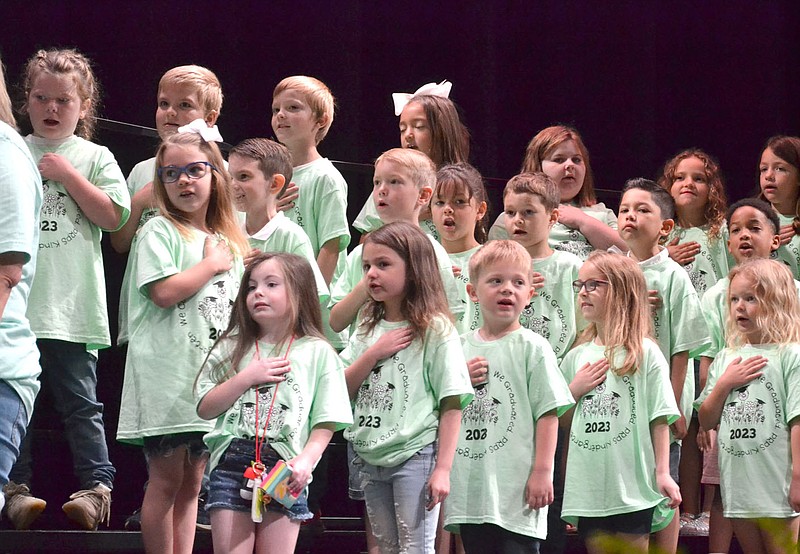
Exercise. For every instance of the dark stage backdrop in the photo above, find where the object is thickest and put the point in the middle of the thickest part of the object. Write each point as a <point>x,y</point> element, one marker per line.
<point>640,80</point>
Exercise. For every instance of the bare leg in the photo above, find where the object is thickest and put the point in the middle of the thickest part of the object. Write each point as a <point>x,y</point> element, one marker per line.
<point>232,532</point>
<point>443,538</point>
<point>748,535</point>
<point>372,542</point>
<point>690,470</point>
<point>184,512</point>
<point>165,479</point>
<point>720,530</point>
<point>666,540</point>
<point>277,534</point>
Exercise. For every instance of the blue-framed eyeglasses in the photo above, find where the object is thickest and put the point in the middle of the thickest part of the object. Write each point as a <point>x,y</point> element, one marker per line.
<point>590,285</point>
<point>194,170</point>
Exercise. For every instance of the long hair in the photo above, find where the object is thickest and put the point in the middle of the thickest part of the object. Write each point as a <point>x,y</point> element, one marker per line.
<point>627,318</point>
<point>714,211</point>
<point>545,142</point>
<point>221,216</point>
<point>462,178</point>
<point>449,137</point>
<point>6,109</point>
<point>778,316</point>
<point>304,311</point>
<point>787,149</point>
<point>73,63</point>
<point>424,298</point>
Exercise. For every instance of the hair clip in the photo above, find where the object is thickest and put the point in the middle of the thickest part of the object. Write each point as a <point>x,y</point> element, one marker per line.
<point>199,126</point>
<point>432,89</point>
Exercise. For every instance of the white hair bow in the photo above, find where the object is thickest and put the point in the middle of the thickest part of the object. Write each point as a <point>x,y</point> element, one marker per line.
<point>432,89</point>
<point>199,126</point>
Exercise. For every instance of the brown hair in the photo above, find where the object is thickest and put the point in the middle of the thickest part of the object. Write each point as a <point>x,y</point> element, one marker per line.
<point>537,184</point>
<point>6,110</point>
<point>273,157</point>
<point>788,149</point>
<point>449,137</point>
<point>462,177</point>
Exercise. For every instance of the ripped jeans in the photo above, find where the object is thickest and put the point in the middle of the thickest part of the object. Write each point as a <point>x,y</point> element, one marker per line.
<point>396,498</point>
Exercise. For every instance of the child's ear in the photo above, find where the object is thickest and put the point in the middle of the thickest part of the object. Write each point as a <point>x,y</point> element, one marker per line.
<point>322,121</point>
<point>85,108</point>
<point>776,242</point>
<point>471,292</point>
<point>278,182</point>
<point>666,227</point>
<point>211,118</point>
<point>425,194</point>
<point>481,211</point>
<point>553,219</point>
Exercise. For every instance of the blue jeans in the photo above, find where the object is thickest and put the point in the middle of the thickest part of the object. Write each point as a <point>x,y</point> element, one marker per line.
<point>396,498</point>
<point>69,373</point>
<point>13,423</point>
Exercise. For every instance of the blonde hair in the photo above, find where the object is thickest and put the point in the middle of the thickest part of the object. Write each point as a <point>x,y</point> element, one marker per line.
<point>420,167</point>
<point>627,319</point>
<point>316,94</point>
<point>73,63</point>
<point>778,317</point>
<point>504,252</point>
<point>537,184</point>
<point>220,217</point>
<point>6,110</point>
<point>203,80</point>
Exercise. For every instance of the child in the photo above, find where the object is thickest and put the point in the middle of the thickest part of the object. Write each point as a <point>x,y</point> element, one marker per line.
<point>752,393</point>
<point>502,476</point>
<point>584,224</point>
<point>530,205</point>
<point>274,337</point>
<point>408,380</point>
<point>779,178</point>
<point>302,113</point>
<point>403,184</point>
<point>646,216</point>
<point>697,242</point>
<point>458,207</point>
<point>260,171</point>
<point>429,122</point>
<point>84,194</point>
<point>698,239</point>
<point>618,462</point>
<point>186,264</point>
<point>185,93</point>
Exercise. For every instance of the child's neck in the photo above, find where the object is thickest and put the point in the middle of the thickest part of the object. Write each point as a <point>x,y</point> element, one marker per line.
<point>459,245</point>
<point>392,310</point>
<point>540,250</point>
<point>413,220</point>
<point>494,331</point>
<point>642,252</point>
<point>274,335</point>
<point>303,154</point>
<point>692,217</point>
<point>785,209</point>
<point>600,339</point>
<point>258,217</point>
<point>198,220</point>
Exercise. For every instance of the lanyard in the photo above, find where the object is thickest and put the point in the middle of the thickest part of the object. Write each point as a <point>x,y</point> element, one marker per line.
<point>260,440</point>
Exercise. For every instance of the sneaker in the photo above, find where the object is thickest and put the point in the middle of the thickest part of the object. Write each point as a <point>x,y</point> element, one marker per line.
<point>688,525</point>
<point>21,507</point>
<point>134,521</point>
<point>701,523</point>
<point>89,507</point>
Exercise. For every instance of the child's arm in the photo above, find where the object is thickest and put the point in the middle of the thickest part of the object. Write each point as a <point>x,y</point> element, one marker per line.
<point>659,433</point>
<point>794,487</point>
<point>217,258</point>
<point>683,252</point>
<point>93,202</point>
<point>599,235</point>
<point>388,344</point>
<point>678,366</point>
<point>10,275</point>
<point>142,200</point>
<point>327,258</point>
<point>586,378</point>
<point>737,373</point>
<point>449,426</point>
<point>539,488</point>
<point>303,464</point>
<point>257,372</point>
<point>344,312</point>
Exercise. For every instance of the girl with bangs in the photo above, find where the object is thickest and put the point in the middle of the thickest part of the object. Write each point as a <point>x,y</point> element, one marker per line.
<point>753,394</point>
<point>617,480</point>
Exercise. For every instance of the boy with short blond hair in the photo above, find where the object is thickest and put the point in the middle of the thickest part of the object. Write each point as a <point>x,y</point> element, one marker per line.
<point>502,476</point>
<point>530,202</point>
<point>302,114</point>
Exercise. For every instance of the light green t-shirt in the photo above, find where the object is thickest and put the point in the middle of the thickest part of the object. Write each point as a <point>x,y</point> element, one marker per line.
<point>753,436</point>
<point>471,318</point>
<point>142,173</point>
<point>314,392</point>
<point>321,206</point>
<point>563,237</point>
<point>68,297</point>
<point>353,272</point>
<point>678,324</point>
<point>20,204</point>
<point>168,345</point>
<point>789,253</point>
<point>552,313</point>
<point>611,463</point>
<point>281,234</point>
<point>712,263</point>
<point>396,410</point>
<point>496,445</point>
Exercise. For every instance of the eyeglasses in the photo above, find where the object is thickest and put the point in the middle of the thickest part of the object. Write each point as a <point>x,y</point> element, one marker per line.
<point>194,170</point>
<point>590,285</point>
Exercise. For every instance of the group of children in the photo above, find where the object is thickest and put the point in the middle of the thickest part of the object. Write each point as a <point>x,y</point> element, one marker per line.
<point>556,363</point>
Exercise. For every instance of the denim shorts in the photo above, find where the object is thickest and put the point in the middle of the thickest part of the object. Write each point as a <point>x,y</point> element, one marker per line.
<point>163,446</point>
<point>227,480</point>
<point>355,481</point>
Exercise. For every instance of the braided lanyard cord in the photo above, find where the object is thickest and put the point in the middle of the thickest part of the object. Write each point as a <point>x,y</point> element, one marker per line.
<point>261,440</point>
